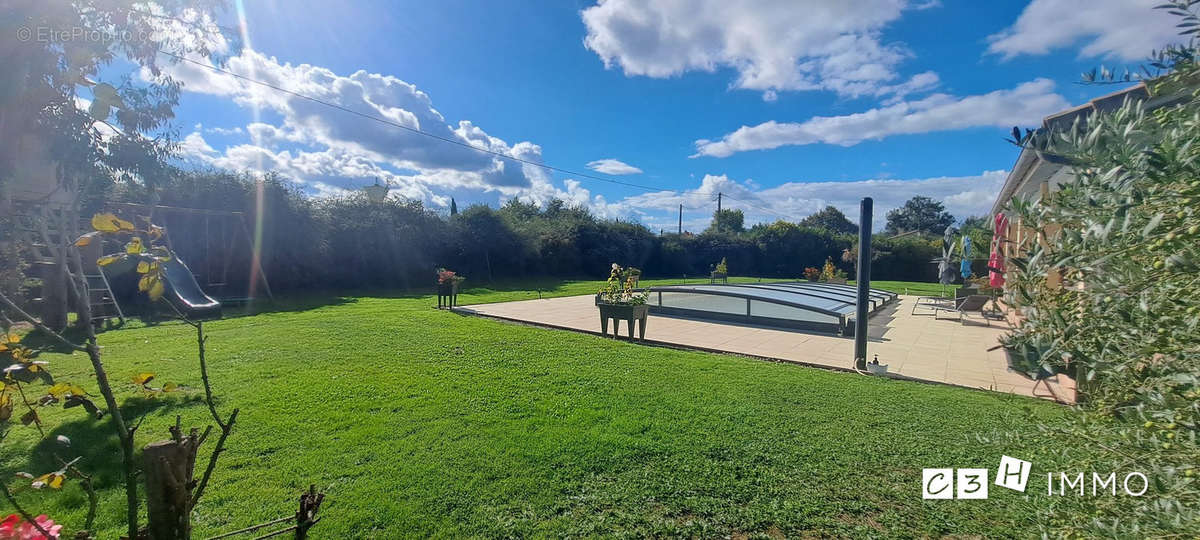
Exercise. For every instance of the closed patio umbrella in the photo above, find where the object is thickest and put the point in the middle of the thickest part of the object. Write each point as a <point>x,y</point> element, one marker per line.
<point>996,261</point>
<point>945,271</point>
<point>965,267</point>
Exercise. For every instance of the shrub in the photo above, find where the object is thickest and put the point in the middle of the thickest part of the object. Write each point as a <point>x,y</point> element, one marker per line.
<point>347,241</point>
<point>831,273</point>
<point>1108,290</point>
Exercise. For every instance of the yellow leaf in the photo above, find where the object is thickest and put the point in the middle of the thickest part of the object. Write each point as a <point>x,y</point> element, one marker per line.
<point>108,223</point>
<point>146,282</point>
<point>156,290</point>
<point>108,259</point>
<point>59,390</point>
<point>134,246</point>
<point>169,387</point>
<point>143,267</point>
<point>85,239</point>
<point>54,480</point>
<point>143,378</point>
<point>12,338</point>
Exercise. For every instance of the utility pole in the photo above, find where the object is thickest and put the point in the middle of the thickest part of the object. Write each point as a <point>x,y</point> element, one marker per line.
<point>681,219</point>
<point>719,194</point>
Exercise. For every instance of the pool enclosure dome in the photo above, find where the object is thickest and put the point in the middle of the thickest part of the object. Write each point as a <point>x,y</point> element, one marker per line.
<point>822,307</point>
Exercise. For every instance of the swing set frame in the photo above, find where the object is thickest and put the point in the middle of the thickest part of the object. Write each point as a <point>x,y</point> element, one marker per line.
<point>235,221</point>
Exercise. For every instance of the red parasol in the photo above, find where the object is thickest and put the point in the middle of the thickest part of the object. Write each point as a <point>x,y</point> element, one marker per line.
<point>996,261</point>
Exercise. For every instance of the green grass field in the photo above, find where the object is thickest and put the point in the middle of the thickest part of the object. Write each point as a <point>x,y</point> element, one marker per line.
<point>420,423</point>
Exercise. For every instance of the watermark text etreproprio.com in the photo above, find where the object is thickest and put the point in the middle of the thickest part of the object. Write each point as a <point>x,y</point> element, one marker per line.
<point>48,34</point>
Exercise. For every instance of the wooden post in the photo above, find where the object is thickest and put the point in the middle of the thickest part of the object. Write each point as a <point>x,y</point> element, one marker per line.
<point>167,467</point>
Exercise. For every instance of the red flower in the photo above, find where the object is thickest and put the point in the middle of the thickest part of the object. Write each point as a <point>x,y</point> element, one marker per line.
<point>13,529</point>
<point>445,276</point>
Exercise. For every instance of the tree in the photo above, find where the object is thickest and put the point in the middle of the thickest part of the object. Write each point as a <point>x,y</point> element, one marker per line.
<point>168,466</point>
<point>727,221</point>
<point>1108,293</point>
<point>919,214</point>
<point>74,121</point>
<point>830,219</point>
<point>453,207</point>
<point>979,229</point>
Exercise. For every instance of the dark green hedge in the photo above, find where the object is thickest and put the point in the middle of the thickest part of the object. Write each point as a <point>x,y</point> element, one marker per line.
<point>349,242</point>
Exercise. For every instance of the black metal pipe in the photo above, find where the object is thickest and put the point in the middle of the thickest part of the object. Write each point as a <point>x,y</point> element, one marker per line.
<point>863,280</point>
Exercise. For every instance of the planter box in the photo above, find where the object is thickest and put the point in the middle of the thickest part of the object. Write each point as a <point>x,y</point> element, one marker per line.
<point>718,276</point>
<point>623,312</point>
<point>447,294</point>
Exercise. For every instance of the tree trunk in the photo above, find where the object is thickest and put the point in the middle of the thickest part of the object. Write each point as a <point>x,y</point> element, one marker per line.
<point>54,293</point>
<point>168,467</point>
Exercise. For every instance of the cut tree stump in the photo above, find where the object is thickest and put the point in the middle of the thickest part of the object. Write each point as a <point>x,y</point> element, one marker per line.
<point>168,467</point>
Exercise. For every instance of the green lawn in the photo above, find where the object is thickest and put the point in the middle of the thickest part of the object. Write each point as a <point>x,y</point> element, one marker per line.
<point>419,423</point>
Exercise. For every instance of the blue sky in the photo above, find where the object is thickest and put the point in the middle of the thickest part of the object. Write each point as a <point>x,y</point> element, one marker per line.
<point>784,105</point>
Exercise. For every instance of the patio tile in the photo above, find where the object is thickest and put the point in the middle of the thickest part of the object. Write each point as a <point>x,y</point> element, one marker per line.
<point>918,346</point>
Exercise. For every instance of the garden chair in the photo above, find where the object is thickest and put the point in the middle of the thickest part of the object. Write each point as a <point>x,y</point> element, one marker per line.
<point>931,302</point>
<point>974,303</point>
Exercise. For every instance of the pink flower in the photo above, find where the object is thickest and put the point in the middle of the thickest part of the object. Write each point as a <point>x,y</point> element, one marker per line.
<point>8,527</point>
<point>13,529</point>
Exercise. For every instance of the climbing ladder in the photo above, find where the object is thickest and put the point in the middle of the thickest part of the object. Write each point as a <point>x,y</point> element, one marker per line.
<point>103,302</point>
<point>43,231</point>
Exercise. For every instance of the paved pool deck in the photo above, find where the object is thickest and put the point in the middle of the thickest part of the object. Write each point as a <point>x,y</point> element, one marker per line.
<point>916,345</point>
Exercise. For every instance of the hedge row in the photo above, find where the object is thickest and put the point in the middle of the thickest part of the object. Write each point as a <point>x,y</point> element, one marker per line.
<point>350,242</point>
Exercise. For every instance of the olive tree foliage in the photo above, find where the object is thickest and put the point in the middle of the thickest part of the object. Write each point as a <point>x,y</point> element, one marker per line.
<point>1108,289</point>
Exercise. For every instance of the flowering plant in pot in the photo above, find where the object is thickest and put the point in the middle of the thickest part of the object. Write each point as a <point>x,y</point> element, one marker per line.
<point>620,288</point>
<point>812,274</point>
<point>447,283</point>
<point>620,300</point>
<point>720,272</point>
<point>448,279</point>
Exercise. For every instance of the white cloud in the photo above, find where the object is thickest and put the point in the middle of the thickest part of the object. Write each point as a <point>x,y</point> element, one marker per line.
<point>1028,103</point>
<point>195,145</point>
<point>1123,29</point>
<point>772,44</point>
<point>236,130</point>
<point>613,166</point>
<point>337,132</point>
<point>963,196</point>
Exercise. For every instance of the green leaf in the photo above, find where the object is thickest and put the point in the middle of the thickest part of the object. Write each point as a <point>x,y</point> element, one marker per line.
<point>1153,224</point>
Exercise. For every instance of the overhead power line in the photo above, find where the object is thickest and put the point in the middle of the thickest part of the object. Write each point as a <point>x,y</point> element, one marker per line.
<point>752,205</point>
